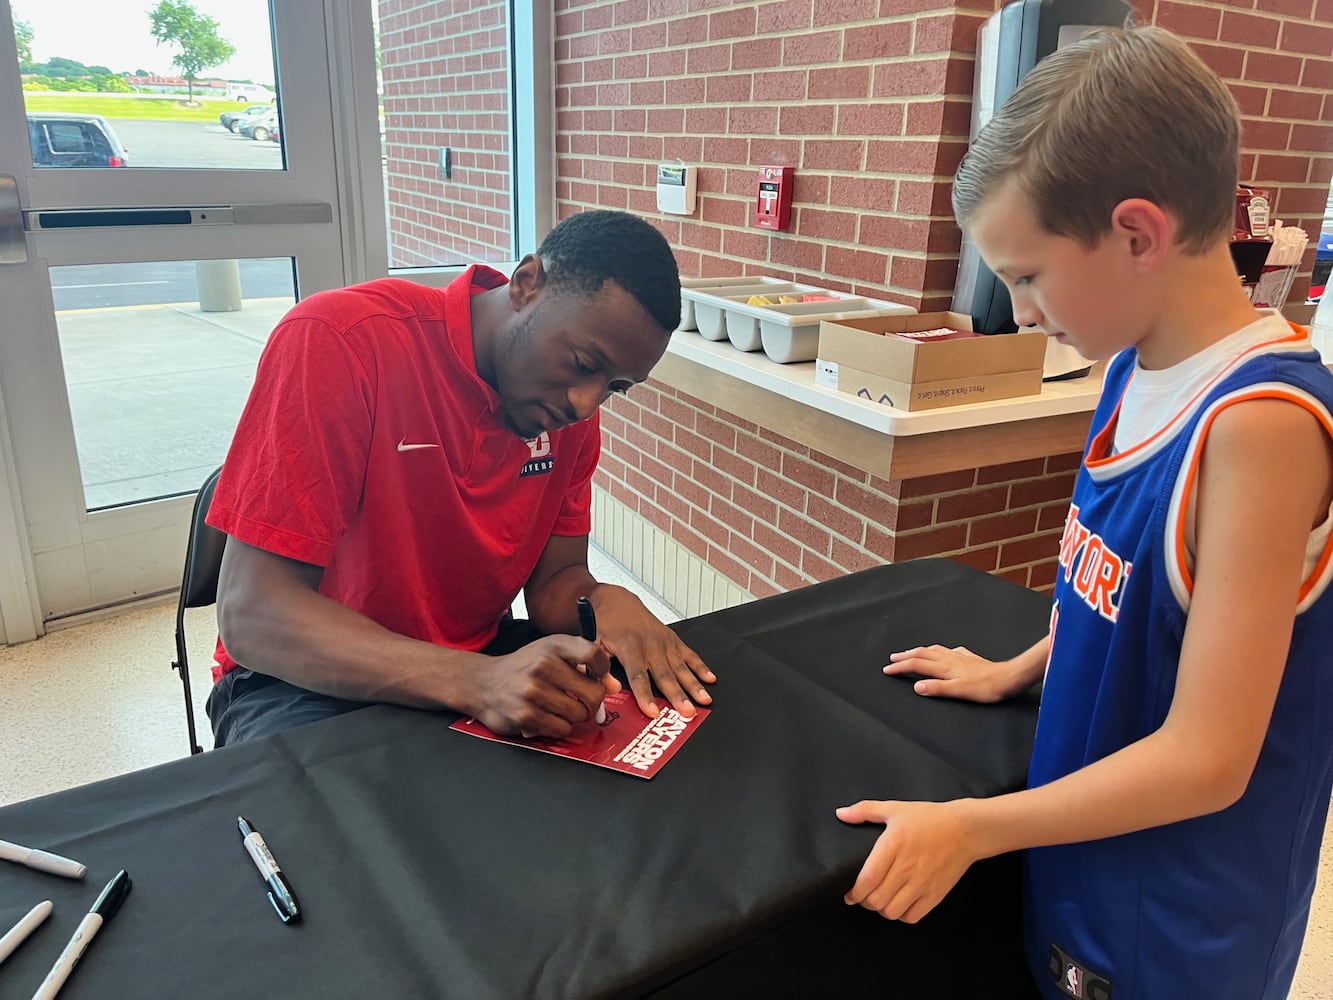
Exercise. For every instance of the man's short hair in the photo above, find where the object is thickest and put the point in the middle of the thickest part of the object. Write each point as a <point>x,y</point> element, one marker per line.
<point>587,250</point>
<point>1119,114</point>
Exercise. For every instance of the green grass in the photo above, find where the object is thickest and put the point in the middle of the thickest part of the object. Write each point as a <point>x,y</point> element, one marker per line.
<point>168,108</point>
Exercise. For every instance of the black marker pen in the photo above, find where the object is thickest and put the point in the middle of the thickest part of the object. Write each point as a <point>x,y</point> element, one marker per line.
<point>280,893</point>
<point>588,630</point>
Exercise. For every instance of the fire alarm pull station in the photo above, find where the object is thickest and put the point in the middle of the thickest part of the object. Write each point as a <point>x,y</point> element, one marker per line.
<point>772,207</point>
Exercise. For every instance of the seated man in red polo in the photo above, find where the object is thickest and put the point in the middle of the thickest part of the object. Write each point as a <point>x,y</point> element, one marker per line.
<point>409,460</point>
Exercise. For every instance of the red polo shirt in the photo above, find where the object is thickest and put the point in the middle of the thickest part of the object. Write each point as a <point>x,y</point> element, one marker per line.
<point>371,447</point>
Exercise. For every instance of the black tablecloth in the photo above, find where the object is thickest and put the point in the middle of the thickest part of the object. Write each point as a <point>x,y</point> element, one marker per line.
<point>433,864</point>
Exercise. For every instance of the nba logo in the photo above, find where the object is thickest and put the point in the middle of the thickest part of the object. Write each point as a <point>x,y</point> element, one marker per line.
<point>1073,980</point>
<point>540,446</point>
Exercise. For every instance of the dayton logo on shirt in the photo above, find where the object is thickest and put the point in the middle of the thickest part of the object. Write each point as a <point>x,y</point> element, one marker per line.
<point>1098,573</point>
<point>539,461</point>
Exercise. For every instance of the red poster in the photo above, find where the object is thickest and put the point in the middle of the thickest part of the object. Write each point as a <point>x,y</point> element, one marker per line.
<point>628,741</point>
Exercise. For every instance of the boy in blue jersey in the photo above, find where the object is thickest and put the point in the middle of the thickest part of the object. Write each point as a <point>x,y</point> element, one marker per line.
<point>1183,761</point>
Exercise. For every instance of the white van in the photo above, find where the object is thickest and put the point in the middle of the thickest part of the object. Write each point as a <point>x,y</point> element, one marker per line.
<point>250,93</point>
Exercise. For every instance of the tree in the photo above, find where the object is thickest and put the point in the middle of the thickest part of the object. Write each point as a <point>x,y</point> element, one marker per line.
<point>23,35</point>
<point>178,23</point>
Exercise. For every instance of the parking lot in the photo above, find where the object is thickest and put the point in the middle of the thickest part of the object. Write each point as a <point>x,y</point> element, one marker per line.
<point>194,144</point>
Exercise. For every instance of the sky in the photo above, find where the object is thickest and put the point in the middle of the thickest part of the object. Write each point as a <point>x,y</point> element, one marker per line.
<point>116,34</point>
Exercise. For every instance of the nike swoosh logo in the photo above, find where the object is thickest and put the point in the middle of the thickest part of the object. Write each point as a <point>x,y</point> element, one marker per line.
<point>404,446</point>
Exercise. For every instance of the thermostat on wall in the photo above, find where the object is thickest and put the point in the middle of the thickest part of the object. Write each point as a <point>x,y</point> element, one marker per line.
<point>675,188</point>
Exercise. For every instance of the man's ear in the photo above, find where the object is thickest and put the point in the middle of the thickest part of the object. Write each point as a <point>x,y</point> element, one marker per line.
<point>1145,230</point>
<point>526,282</point>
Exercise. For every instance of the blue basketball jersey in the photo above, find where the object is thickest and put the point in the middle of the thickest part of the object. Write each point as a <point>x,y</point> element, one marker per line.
<point>1215,906</point>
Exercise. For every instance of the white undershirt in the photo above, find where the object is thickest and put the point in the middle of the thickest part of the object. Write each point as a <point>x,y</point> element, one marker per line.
<point>1154,397</point>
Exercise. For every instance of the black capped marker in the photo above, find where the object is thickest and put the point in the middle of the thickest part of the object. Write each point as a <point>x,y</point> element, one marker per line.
<point>279,892</point>
<point>103,910</point>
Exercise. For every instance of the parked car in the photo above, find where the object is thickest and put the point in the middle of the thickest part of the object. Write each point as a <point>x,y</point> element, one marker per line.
<point>227,117</point>
<point>259,126</point>
<point>65,140</point>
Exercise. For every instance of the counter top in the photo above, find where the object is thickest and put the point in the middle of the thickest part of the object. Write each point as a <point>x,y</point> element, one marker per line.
<point>797,382</point>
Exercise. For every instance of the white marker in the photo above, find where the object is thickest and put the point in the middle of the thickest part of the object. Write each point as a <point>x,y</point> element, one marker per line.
<point>42,861</point>
<point>103,910</point>
<point>20,931</point>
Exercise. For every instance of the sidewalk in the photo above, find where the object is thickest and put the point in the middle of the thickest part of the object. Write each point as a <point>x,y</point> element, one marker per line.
<point>155,391</point>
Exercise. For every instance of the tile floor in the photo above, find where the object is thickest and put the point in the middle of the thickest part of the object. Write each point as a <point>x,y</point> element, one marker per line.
<point>100,699</point>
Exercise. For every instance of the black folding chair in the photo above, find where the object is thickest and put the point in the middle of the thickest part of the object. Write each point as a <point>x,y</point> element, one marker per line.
<point>199,586</point>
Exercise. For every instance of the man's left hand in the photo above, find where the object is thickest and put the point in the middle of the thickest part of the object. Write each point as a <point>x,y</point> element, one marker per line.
<point>650,653</point>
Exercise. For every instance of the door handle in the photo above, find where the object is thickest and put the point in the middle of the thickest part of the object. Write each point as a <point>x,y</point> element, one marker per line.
<point>13,243</point>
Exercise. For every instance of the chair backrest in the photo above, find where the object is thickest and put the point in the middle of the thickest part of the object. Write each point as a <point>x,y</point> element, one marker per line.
<point>203,558</point>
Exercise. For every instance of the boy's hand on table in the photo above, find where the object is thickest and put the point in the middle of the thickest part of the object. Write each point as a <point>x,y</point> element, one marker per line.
<point>650,653</point>
<point>923,852</point>
<point>956,673</point>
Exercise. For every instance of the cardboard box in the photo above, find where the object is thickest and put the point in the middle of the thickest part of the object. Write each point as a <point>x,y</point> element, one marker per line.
<point>869,358</point>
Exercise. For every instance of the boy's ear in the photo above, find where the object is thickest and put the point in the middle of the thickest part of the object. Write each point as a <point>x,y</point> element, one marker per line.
<point>526,282</point>
<point>1145,230</point>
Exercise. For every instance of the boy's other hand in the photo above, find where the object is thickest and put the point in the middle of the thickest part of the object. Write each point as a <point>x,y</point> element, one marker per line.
<point>923,852</point>
<point>956,673</point>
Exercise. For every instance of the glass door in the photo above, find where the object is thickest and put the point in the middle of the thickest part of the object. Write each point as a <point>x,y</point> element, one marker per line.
<point>169,186</point>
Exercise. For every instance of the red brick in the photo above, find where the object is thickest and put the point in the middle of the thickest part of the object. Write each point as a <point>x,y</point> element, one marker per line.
<point>730,89</point>
<point>1272,67</point>
<point>712,480</point>
<point>1018,576</point>
<point>759,588</point>
<point>923,198</point>
<point>930,542</point>
<point>1252,101</point>
<point>771,540</point>
<point>804,531</point>
<point>843,11</point>
<point>668,63</point>
<point>903,156</point>
<point>753,121</point>
<point>839,83</point>
<point>732,569</point>
<point>717,431</point>
<point>1010,471</point>
<point>1042,575</point>
<point>657,471</point>
<point>819,568</point>
<point>1190,19</point>
<point>782,490</point>
<point>962,506</point>
<point>1255,134</point>
<point>751,502</point>
<point>808,474</point>
<point>835,518</point>
<point>705,59</point>
<point>911,78</point>
<point>877,119</point>
<point>757,53</point>
<point>934,34</point>
<point>893,232</point>
<point>852,559</point>
<point>1288,8</point>
<point>1029,549</point>
<point>1314,138</point>
<point>752,555</point>
<point>688,90</point>
<point>789,579</point>
<point>1249,30</point>
<point>875,193</point>
<point>1302,201</point>
<point>986,560</point>
<point>821,224</point>
<point>890,40</point>
<point>881,543</point>
<point>843,469</point>
<point>810,48</point>
<point>732,516</point>
<point>1054,516</point>
<point>648,36</point>
<point>1226,61</point>
<point>687,31</point>
<point>1040,491</point>
<point>1065,462</point>
<point>787,85</point>
<point>735,23</point>
<point>1002,526</point>
<point>806,254</point>
<point>1281,168</point>
<point>1294,104</point>
<point>861,265</point>
<point>786,151</point>
<point>786,15</point>
<point>761,453</point>
<point>709,527</point>
<point>733,465</point>
<point>873,506</point>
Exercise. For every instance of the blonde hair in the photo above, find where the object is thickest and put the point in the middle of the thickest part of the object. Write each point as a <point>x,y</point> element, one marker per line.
<point>1118,114</point>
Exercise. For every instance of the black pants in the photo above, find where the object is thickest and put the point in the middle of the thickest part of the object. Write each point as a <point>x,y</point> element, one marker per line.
<point>245,705</point>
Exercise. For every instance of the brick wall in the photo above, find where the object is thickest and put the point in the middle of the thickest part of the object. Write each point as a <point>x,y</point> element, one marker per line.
<point>445,66</point>
<point>870,101</point>
<point>770,514</point>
